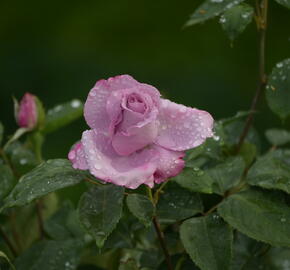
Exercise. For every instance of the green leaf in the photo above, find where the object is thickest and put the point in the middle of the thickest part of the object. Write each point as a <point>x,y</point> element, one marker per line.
<point>130,264</point>
<point>271,171</point>
<point>22,158</point>
<point>208,241</point>
<point>177,203</point>
<point>248,152</point>
<point>26,222</point>
<point>180,262</point>
<point>5,257</point>
<point>141,207</point>
<point>151,258</point>
<point>123,235</point>
<point>210,150</point>
<point>18,133</point>
<point>49,176</point>
<point>278,89</point>
<point>217,179</point>
<point>233,131</point>
<point>193,153</point>
<point>226,175</point>
<point>247,253</point>
<point>1,132</point>
<point>51,255</point>
<point>62,115</point>
<point>285,3</point>
<point>278,137</point>
<point>195,180</point>
<point>240,115</point>
<point>64,224</point>
<point>100,210</point>
<point>7,181</point>
<point>259,214</point>
<point>279,258</point>
<point>210,9</point>
<point>235,20</point>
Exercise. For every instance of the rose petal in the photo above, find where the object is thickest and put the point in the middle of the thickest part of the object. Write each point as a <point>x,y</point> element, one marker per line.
<point>129,119</point>
<point>170,164</point>
<point>104,163</point>
<point>98,114</point>
<point>27,113</point>
<point>181,127</point>
<point>95,111</point>
<point>131,131</point>
<point>136,139</point>
<point>77,157</point>
<point>117,107</point>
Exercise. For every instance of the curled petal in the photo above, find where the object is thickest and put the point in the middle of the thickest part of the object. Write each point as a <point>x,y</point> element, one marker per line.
<point>127,143</point>
<point>170,164</point>
<point>104,163</point>
<point>95,110</point>
<point>98,113</point>
<point>181,127</point>
<point>77,157</point>
<point>119,113</point>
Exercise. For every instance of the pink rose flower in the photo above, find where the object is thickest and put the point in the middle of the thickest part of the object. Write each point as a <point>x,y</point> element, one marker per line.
<point>26,115</point>
<point>136,137</point>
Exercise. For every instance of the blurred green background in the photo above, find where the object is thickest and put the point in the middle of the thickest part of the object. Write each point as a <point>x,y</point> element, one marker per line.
<point>59,49</point>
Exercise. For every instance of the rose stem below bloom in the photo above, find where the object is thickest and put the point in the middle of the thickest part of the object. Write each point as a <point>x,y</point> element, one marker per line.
<point>160,234</point>
<point>158,191</point>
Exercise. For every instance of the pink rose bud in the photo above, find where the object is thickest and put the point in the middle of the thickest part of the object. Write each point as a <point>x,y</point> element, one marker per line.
<point>27,112</point>
<point>136,136</point>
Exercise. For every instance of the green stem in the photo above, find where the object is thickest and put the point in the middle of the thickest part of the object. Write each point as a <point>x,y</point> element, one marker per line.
<point>158,191</point>
<point>37,139</point>
<point>149,192</point>
<point>8,242</point>
<point>92,181</point>
<point>4,156</point>
<point>180,263</point>
<point>38,205</point>
<point>15,234</point>
<point>8,162</point>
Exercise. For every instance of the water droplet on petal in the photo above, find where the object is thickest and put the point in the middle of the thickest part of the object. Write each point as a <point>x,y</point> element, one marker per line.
<point>72,155</point>
<point>92,93</point>
<point>97,166</point>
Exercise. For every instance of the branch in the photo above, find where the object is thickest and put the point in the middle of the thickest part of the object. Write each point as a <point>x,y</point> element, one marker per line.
<point>159,232</point>
<point>162,243</point>
<point>261,13</point>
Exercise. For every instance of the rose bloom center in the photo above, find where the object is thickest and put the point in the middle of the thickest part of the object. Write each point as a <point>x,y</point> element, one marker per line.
<point>135,103</point>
